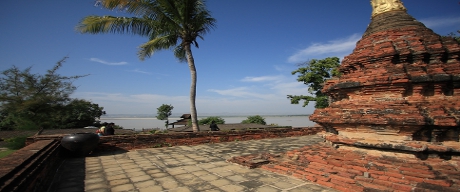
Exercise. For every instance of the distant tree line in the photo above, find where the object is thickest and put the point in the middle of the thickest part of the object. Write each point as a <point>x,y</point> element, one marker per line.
<point>34,101</point>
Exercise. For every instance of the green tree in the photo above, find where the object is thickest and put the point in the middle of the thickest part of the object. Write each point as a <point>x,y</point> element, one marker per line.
<point>167,23</point>
<point>163,112</point>
<point>28,101</point>
<point>455,36</point>
<point>314,73</point>
<point>255,119</point>
<point>79,113</point>
<point>208,120</point>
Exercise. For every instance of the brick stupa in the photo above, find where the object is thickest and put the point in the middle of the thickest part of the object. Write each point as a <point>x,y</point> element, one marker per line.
<point>400,88</point>
<point>394,114</point>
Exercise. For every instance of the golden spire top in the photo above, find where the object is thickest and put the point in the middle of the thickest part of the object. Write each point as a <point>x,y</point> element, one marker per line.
<point>382,6</point>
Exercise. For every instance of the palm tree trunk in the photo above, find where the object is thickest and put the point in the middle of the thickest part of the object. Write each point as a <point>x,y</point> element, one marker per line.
<point>191,65</point>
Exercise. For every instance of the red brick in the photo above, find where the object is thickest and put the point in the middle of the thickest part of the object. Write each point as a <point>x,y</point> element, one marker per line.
<point>322,178</point>
<point>314,171</point>
<point>443,183</point>
<point>396,175</point>
<point>335,163</point>
<point>363,169</point>
<point>402,187</point>
<point>356,172</point>
<point>374,172</point>
<point>281,168</point>
<point>361,178</point>
<point>325,183</point>
<point>382,182</point>
<point>340,169</point>
<point>396,180</point>
<point>422,171</point>
<point>430,176</point>
<point>381,177</point>
<point>342,179</point>
<point>373,186</point>
<point>411,178</point>
<point>310,178</point>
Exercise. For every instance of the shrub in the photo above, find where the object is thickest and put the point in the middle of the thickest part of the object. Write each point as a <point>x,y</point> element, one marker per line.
<point>16,143</point>
<point>208,120</point>
<point>255,119</point>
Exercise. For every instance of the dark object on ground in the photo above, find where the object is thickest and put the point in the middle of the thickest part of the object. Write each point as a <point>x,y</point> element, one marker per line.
<point>80,144</point>
<point>109,130</point>
<point>214,127</point>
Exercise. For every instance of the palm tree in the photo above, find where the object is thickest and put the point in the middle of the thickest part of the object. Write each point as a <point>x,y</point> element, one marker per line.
<point>167,24</point>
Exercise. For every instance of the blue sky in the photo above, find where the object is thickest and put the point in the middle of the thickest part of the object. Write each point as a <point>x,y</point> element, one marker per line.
<point>244,65</point>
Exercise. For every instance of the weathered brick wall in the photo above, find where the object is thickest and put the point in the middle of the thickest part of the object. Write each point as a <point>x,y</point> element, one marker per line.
<point>31,168</point>
<point>128,142</point>
<point>353,171</point>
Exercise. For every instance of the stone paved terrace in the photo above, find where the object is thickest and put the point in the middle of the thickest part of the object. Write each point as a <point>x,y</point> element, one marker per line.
<point>183,168</point>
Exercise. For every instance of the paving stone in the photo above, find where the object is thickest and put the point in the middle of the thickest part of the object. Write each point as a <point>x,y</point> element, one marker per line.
<point>209,177</point>
<point>232,188</point>
<point>144,184</point>
<point>150,189</point>
<point>220,182</point>
<point>136,174</point>
<point>140,178</point>
<point>236,178</point>
<point>115,177</point>
<point>122,188</point>
<point>170,185</point>
<point>96,186</point>
<point>119,182</point>
<point>283,185</point>
<point>252,184</point>
<point>267,189</point>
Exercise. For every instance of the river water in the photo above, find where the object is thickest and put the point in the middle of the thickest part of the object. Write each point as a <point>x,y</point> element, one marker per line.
<point>147,123</point>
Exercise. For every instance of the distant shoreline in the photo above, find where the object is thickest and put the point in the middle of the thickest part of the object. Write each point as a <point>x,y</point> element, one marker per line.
<point>108,117</point>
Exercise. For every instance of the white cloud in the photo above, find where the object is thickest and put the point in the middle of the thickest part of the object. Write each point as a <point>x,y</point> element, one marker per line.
<point>140,71</point>
<point>262,78</point>
<point>338,47</point>
<point>108,63</point>
<point>441,22</point>
<point>244,92</point>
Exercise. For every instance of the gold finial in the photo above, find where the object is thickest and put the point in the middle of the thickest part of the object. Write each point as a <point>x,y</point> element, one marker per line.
<point>382,6</point>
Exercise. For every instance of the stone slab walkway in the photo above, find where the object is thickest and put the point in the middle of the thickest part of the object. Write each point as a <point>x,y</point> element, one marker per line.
<point>182,169</point>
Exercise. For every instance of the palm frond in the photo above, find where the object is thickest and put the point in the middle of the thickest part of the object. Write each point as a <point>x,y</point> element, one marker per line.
<point>110,24</point>
<point>160,43</point>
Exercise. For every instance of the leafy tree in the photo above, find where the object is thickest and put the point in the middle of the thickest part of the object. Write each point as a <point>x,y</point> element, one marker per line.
<point>314,73</point>
<point>164,111</point>
<point>79,113</point>
<point>255,119</point>
<point>29,101</point>
<point>455,36</point>
<point>167,23</point>
<point>208,120</point>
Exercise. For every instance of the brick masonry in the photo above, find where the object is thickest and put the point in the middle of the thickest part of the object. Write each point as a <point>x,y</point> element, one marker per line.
<point>350,170</point>
<point>400,86</point>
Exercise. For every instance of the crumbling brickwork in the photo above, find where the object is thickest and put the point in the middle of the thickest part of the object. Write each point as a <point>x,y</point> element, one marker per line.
<point>401,84</point>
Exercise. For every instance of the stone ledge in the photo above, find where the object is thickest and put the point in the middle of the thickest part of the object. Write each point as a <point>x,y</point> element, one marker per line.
<point>30,168</point>
<point>408,146</point>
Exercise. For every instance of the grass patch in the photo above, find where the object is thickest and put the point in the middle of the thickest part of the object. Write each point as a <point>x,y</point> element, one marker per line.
<point>6,153</point>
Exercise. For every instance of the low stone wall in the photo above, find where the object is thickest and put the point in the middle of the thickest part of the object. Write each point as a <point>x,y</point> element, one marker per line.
<point>31,168</point>
<point>140,141</point>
